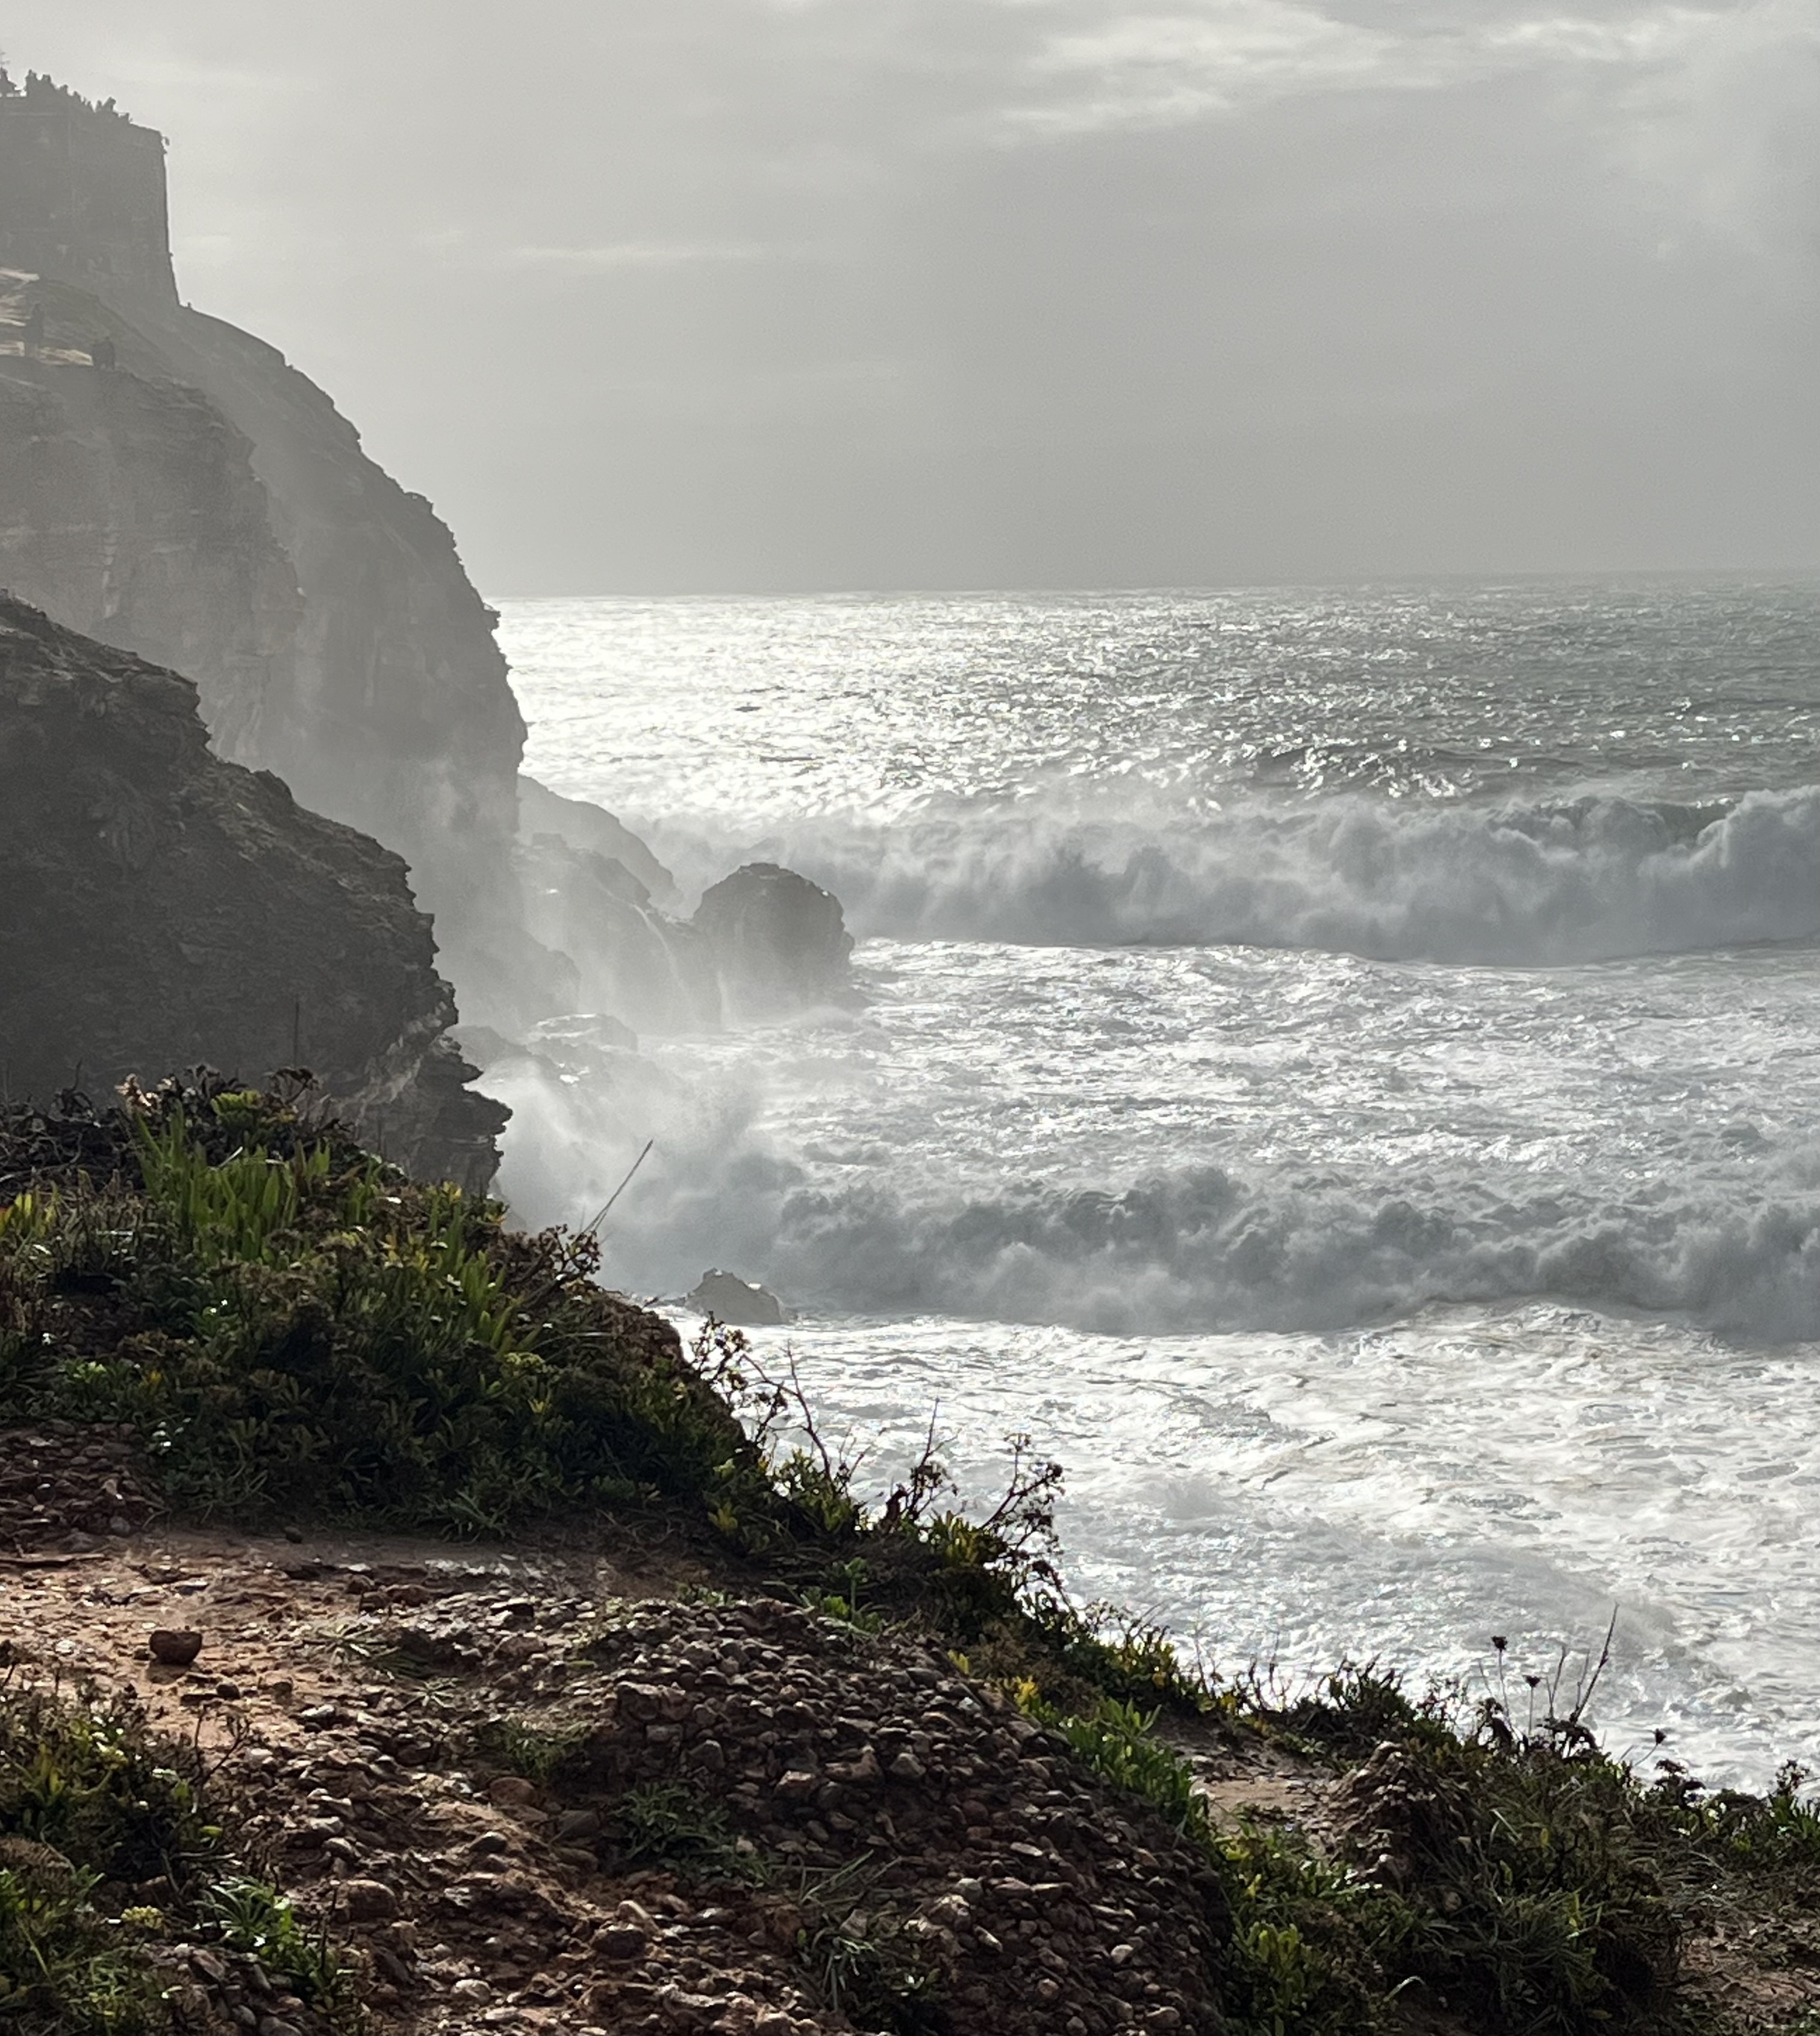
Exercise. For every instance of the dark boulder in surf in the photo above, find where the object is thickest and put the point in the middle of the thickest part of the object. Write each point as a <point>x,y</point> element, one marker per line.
<point>737,1303</point>
<point>778,942</point>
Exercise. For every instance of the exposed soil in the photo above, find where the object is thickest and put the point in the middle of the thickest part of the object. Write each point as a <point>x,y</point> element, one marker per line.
<point>862,1829</point>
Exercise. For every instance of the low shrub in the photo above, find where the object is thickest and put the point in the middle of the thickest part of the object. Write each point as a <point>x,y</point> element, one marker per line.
<point>109,1848</point>
<point>1301,1960</point>
<point>293,1326</point>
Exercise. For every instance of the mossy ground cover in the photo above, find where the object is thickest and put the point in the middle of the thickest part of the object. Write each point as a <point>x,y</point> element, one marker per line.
<point>295,1330</point>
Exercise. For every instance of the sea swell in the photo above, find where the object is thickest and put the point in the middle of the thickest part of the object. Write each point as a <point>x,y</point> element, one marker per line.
<point>1732,1244</point>
<point>1207,1249</point>
<point>1586,879</point>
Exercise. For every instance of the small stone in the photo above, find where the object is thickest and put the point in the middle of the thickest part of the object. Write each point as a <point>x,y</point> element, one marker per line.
<point>906,1767</point>
<point>472,1989</point>
<point>620,1940</point>
<point>511,1790</point>
<point>796,1786</point>
<point>174,1645</point>
<point>369,1901</point>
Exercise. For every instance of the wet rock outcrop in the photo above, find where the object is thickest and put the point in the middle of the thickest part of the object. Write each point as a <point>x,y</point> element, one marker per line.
<point>591,830</point>
<point>164,907</point>
<point>651,970</point>
<point>777,941</point>
<point>740,1303</point>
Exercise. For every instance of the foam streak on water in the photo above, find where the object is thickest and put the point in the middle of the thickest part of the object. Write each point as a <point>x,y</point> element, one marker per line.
<point>1340,1068</point>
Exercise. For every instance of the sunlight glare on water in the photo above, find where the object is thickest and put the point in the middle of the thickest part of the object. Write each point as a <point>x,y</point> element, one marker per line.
<point>1339,1067</point>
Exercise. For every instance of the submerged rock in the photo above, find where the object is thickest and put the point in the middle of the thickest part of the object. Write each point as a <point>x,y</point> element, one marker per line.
<point>737,1303</point>
<point>778,940</point>
<point>163,906</point>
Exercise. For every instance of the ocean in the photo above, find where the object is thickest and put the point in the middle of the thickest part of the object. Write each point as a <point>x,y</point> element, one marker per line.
<point>1340,1069</point>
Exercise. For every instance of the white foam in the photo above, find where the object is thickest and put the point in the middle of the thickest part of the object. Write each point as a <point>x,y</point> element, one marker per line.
<point>1594,878</point>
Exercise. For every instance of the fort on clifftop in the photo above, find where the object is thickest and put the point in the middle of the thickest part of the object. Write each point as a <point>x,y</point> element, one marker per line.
<point>82,195</point>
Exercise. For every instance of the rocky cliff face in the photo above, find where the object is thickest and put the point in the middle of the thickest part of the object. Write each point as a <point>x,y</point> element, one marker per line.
<point>190,495</point>
<point>129,509</point>
<point>163,905</point>
<point>201,502</point>
<point>392,710</point>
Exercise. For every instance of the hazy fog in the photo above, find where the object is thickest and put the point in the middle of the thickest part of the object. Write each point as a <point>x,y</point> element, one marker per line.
<point>698,294</point>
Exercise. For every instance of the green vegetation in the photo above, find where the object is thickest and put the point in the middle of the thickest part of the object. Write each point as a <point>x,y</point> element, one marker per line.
<point>294,1327</point>
<point>1519,1878</point>
<point>108,1849</point>
<point>297,1329</point>
<point>669,1823</point>
<point>534,1751</point>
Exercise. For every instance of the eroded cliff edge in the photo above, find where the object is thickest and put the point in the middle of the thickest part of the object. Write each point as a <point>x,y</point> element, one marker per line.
<point>163,905</point>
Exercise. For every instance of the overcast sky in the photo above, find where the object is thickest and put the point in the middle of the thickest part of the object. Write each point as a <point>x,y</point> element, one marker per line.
<point>661,295</point>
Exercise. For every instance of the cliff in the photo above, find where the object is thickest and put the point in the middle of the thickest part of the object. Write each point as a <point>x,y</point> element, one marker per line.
<point>201,502</point>
<point>198,501</point>
<point>190,495</point>
<point>164,907</point>
<point>129,509</point>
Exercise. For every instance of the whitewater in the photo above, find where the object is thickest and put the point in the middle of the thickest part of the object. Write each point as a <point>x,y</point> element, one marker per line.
<point>1338,1068</point>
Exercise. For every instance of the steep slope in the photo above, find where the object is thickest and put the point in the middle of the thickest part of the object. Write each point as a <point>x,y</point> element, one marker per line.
<point>129,509</point>
<point>165,906</point>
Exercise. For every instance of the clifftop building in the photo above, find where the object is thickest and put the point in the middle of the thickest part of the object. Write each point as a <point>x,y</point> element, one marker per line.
<point>82,197</point>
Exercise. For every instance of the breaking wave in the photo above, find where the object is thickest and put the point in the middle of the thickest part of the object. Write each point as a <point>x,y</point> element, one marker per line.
<point>1207,1249</point>
<point>1197,1248</point>
<point>1590,880</point>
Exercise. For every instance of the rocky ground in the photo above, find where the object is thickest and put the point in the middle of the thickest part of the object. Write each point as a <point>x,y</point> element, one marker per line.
<point>582,1790</point>
<point>578,1791</point>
